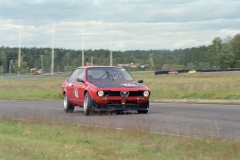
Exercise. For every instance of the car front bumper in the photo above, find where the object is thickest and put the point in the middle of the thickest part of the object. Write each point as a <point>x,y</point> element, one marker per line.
<point>120,107</point>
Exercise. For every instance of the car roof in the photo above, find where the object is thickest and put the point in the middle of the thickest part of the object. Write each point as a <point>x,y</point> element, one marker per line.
<point>99,67</point>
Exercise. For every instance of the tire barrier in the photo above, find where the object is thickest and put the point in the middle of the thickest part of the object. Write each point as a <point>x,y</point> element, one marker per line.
<point>199,70</point>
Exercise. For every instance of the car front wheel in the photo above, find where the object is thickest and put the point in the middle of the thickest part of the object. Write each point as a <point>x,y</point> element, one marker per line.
<point>87,106</point>
<point>67,106</point>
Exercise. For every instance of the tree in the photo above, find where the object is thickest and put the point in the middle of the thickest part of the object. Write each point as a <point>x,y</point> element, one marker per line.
<point>235,42</point>
<point>226,56</point>
<point>213,51</point>
<point>3,60</point>
<point>24,67</point>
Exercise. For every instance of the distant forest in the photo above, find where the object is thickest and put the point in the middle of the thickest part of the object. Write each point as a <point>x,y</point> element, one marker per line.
<point>220,54</point>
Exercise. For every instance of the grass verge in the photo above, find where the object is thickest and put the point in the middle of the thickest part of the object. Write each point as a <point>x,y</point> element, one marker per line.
<point>219,85</point>
<point>47,140</point>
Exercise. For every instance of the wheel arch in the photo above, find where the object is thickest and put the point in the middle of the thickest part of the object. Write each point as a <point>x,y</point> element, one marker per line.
<point>90,92</point>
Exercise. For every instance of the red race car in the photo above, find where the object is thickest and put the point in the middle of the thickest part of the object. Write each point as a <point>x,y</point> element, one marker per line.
<point>104,88</point>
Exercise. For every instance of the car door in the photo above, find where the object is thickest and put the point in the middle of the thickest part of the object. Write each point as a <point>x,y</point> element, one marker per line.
<point>78,88</point>
<point>70,86</point>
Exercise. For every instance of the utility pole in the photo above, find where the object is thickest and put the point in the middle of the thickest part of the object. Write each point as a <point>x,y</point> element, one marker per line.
<point>19,50</point>
<point>152,63</point>
<point>42,63</point>
<point>83,46</point>
<point>91,60</point>
<point>11,66</point>
<point>111,46</point>
<point>110,57</point>
<point>52,64</point>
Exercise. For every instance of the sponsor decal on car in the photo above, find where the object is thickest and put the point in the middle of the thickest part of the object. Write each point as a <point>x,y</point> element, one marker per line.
<point>128,84</point>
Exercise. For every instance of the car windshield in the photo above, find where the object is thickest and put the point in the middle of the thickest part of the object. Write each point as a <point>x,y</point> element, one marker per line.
<point>108,73</point>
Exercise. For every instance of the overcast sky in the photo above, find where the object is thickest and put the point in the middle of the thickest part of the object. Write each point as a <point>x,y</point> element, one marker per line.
<point>117,24</point>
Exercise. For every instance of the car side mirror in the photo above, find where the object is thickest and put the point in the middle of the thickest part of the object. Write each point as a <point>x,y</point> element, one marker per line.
<point>140,81</point>
<point>80,80</point>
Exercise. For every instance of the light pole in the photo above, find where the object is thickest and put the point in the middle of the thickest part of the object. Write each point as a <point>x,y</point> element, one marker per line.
<point>42,63</point>
<point>91,60</point>
<point>19,50</point>
<point>110,57</point>
<point>52,64</point>
<point>83,46</point>
<point>151,60</point>
<point>111,46</point>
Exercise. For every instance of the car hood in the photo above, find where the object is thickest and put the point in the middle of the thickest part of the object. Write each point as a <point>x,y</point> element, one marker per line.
<point>117,84</point>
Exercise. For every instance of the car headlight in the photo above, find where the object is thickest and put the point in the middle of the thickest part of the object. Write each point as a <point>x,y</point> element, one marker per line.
<point>145,93</point>
<point>100,93</point>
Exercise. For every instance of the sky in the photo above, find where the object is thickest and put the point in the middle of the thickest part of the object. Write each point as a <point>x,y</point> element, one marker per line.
<point>118,25</point>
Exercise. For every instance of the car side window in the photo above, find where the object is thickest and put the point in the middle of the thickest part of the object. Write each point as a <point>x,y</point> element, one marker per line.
<point>73,76</point>
<point>81,74</point>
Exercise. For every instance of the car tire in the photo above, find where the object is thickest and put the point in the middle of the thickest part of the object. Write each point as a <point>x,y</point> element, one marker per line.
<point>67,106</point>
<point>142,111</point>
<point>87,105</point>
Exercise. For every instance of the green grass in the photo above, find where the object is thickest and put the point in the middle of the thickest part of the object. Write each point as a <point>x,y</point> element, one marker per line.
<point>48,140</point>
<point>31,88</point>
<point>219,85</point>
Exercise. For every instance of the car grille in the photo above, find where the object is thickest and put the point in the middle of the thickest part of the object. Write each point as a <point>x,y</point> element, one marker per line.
<point>119,102</point>
<point>131,93</point>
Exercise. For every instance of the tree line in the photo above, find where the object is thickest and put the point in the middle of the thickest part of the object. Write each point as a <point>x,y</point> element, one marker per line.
<point>220,54</point>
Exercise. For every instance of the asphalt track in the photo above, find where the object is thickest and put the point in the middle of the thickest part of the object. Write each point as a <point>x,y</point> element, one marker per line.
<point>194,120</point>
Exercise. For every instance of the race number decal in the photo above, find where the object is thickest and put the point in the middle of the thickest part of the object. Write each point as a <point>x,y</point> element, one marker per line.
<point>76,92</point>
